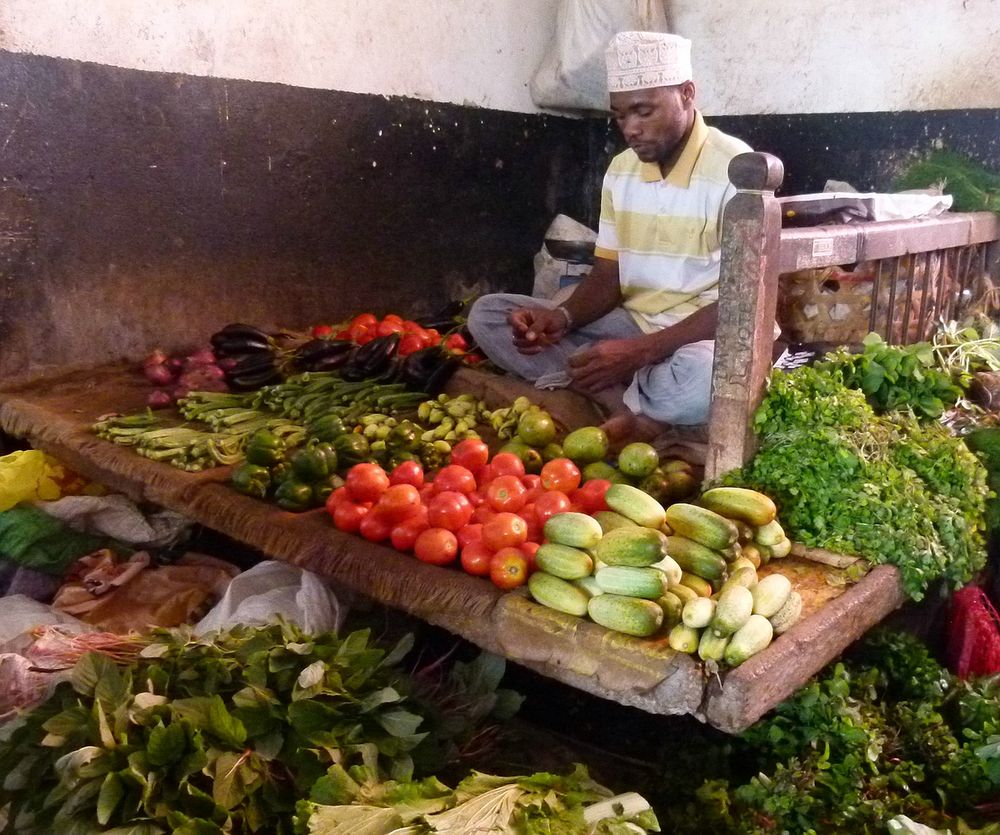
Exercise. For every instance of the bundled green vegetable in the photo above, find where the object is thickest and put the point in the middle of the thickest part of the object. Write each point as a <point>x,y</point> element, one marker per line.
<point>974,187</point>
<point>882,487</point>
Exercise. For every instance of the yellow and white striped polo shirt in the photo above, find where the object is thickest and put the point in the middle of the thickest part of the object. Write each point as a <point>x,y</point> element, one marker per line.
<point>665,232</point>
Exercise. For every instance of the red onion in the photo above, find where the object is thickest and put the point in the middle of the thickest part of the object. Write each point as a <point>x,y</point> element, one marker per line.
<point>159,399</point>
<point>158,374</point>
<point>203,356</point>
<point>156,357</point>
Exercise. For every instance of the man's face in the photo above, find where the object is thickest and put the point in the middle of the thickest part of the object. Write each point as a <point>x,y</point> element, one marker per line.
<point>654,121</point>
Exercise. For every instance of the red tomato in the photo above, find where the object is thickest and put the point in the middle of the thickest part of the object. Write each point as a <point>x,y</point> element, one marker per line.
<point>399,502</point>
<point>471,532</point>
<point>456,343</point>
<point>409,326</point>
<point>375,527</point>
<point>436,546</point>
<point>319,331</point>
<point>366,482</point>
<point>347,516</point>
<point>590,496</point>
<point>483,514</point>
<point>432,336</point>
<point>337,497</point>
<point>454,478</point>
<point>504,530</point>
<point>533,484</point>
<point>365,320</point>
<point>343,334</point>
<point>476,498</point>
<point>449,510</point>
<point>529,549</point>
<point>470,453</point>
<point>410,344</point>
<point>507,493</point>
<point>476,558</point>
<point>427,492</point>
<point>393,317</point>
<point>549,504</point>
<point>507,463</point>
<point>509,568</point>
<point>561,474</point>
<point>408,472</point>
<point>385,327</point>
<point>404,535</point>
<point>363,338</point>
<point>473,359</point>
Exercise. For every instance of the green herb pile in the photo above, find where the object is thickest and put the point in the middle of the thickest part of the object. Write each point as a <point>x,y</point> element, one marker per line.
<point>225,733</point>
<point>899,377</point>
<point>886,488</point>
<point>889,732</point>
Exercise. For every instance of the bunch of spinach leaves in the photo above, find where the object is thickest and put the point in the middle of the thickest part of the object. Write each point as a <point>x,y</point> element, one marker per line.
<point>216,734</point>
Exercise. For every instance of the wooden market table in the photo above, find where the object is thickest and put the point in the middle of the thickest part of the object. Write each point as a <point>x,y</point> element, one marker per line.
<point>55,412</point>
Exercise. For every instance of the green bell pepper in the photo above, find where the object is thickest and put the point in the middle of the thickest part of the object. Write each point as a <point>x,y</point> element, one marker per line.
<point>294,495</point>
<point>327,428</point>
<point>265,449</point>
<point>352,448</point>
<point>404,437</point>
<point>314,462</point>
<point>251,479</point>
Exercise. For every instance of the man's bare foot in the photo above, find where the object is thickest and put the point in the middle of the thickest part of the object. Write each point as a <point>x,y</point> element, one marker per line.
<point>625,426</point>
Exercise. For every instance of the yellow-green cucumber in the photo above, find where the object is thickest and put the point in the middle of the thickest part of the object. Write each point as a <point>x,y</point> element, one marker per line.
<point>558,594</point>
<point>672,607</point>
<point>631,581</point>
<point>788,615</point>
<point>629,615</point>
<point>589,585</point>
<point>671,570</point>
<point>770,534</point>
<point>578,530</point>
<point>683,592</point>
<point>695,558</point>
<point>740,503</point>
<point>745,532</point>
<point>712,647</point>
<point>751,553</point>
<point>634,546</point>
<point>748,640</point>
<point>683,638</point>
<point>699,585</point>
<point>634,504</point>
<point>744,576</point>
<point>781,549</point>
<point>701,525</point>
<point>732,610</point>
<point>698,613</point>
<point>610,521</point>
<point>563,561</point>
<point>770,594</point>
<point>741,562</point>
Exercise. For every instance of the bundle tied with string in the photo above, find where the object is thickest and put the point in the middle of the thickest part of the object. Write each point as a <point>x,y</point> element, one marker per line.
<point>833,305</point>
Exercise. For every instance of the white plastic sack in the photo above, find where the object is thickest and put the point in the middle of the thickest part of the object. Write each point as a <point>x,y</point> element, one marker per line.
<point>573,74</point>
<point>120,518</point>
<point>19,615</point>
<point>269,589</point>
<point>902,825</point>
<point>550,271</point>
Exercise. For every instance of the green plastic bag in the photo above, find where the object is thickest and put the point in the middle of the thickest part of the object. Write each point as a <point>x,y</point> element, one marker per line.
<point>33,539</point>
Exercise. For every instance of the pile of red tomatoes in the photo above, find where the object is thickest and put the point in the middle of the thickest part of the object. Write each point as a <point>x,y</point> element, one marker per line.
<point>484,514</point>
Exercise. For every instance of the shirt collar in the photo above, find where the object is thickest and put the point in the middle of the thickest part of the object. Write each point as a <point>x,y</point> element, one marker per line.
<point>680,175</point>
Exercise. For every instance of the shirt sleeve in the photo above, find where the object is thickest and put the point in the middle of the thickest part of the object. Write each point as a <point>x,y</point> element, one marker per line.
<point>607,233</point>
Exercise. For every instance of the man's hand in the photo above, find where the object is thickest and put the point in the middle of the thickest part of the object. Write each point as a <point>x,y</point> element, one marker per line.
<point>607,362</point>
<point>535,328</point>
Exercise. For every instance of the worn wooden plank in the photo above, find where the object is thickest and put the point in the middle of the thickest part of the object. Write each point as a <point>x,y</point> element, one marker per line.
<point>747,299</point>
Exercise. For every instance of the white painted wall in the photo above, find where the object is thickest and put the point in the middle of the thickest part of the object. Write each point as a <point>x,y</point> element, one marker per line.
<point>751,56</point>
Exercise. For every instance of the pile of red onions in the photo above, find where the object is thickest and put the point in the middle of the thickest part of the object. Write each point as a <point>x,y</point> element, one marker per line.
<point>175,376</point>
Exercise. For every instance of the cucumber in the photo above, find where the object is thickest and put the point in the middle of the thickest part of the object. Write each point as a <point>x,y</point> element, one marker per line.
<point>564,562</point>
<point>699,585</point>
<point>782,549</point>
<point>745,532</point>
<point>629,615</point>
<point>770,534</point>
<point>698,613</point>
<point>672,608</point>
<point>748,640</point>
<point>683,638</point>
<point>751,553</point>
<point>683,592</point>
<point>609,521</point>
<point>671,570</point>
<point>740,503</point>
<point>558,594</point>
<point>578,530</point>
<point>696,559</point>
<point>733,609</point>
<point>788,615</point>
<point>634,504</point>
<point>712,647</point>
<point>631,581</point>
<point>630,546</point>
<point>702,525</point>
<point>770,594</point>
<point>742,562</point>
<point>744,576</point>
<point>589,586</point>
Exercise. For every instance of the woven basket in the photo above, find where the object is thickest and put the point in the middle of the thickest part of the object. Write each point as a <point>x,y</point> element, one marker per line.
<point>834,305</point>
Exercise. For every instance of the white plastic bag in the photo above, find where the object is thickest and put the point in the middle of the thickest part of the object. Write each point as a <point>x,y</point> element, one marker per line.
<point>20,615</point>
<point>270,588</point>
<point>550,272</point>
<point>120,518</point>
<point>573,74</point>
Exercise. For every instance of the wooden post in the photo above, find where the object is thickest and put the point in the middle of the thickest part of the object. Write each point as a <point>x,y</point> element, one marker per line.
<point>748,289</point>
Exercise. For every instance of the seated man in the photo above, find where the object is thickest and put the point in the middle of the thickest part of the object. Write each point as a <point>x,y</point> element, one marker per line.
<point>637,332</point>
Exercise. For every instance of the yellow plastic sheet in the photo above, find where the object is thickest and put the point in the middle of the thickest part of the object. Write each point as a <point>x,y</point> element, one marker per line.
<point>29,475</point>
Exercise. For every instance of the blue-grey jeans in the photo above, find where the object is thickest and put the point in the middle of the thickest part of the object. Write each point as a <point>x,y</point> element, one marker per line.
<point>675,391</point>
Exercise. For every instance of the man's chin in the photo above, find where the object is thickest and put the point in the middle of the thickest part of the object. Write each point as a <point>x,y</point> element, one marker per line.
<point>646,154</point>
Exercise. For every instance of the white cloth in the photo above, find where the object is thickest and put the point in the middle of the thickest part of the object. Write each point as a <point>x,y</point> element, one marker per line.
<point>641,60</point>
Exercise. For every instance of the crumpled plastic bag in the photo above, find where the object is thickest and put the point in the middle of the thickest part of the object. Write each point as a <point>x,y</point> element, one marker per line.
<point>29,475</point>
<point>271,589</point>
<point>119,517</point>
<point>19,615</point>
<point>902,825</point>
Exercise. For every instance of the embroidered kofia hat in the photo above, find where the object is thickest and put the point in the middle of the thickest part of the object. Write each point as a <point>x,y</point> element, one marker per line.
<point>640,60</point>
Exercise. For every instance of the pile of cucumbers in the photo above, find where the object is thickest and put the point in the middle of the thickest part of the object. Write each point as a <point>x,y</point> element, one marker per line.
<point>687,572</point>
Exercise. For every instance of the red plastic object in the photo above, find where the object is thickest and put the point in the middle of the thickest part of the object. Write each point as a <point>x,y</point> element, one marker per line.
<point>973,634</point>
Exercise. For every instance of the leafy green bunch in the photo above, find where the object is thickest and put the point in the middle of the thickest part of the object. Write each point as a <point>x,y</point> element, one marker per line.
<point>888,732</point>
<point>210,735</point>
<point>886,488</point>
<point>899,377</point>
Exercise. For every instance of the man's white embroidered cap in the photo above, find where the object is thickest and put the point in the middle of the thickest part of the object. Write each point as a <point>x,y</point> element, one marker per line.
<point>641,60</point>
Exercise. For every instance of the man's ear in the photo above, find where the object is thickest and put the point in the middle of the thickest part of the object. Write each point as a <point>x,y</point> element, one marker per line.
<point>688,92</point>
